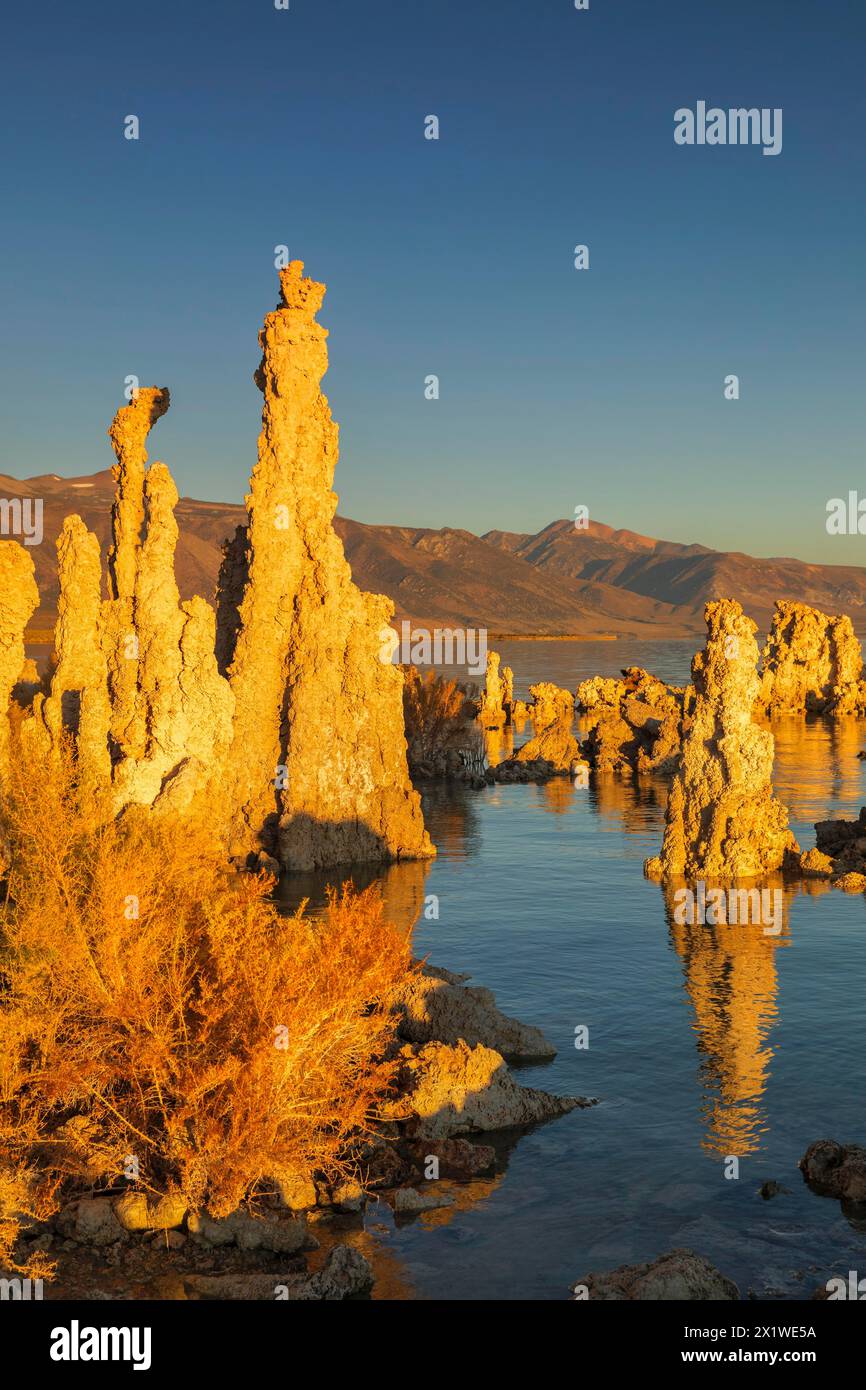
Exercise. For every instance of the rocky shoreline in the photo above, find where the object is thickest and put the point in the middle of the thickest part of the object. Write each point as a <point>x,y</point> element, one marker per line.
<point>453,1046</point>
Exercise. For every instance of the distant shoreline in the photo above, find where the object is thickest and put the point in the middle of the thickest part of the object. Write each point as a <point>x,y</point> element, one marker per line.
<point>552,637</point>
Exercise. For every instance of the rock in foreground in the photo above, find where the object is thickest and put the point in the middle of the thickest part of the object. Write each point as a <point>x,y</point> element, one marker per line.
<point>465,1090</point>
<point>678,1276</point>
<point>835,1170</point>
<point>345,1274</point>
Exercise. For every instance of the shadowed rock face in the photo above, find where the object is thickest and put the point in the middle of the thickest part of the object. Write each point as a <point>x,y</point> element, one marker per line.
<point>811,662</point>
<point>722,819</point>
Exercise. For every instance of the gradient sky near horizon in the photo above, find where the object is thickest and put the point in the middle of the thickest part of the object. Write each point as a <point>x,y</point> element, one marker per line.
<point>305,127</point>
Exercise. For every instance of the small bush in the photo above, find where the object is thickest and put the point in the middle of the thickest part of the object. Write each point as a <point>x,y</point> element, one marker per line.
<point>155,1006</point>
<point>438,714</point>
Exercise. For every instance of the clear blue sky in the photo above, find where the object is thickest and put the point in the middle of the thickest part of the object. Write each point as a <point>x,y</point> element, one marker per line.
<point>455,257</point>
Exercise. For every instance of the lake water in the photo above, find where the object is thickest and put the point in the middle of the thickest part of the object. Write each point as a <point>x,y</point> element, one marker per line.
<point>704,1041</point>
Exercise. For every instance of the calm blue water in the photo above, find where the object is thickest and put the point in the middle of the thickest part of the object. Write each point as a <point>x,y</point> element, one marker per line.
<point>704,1042</point>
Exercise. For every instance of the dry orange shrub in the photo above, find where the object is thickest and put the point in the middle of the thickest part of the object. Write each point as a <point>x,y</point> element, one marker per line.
<point>154,1004</point>
<point>437,713</point>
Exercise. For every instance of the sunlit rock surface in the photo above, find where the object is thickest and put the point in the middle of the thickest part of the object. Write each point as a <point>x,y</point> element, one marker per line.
<point>811,662</point>
<point>317,769</point>
<point>491,708</point>
<point>19,598</point>
<point>285,727</point>
<point>722,819</point>
<point>550,702</point>
<point>637,723</point>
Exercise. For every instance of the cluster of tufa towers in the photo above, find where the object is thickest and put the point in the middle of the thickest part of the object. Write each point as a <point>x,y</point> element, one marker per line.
<point>274,718</point>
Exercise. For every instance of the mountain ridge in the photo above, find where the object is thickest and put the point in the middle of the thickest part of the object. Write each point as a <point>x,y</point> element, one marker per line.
<point>559,581</point>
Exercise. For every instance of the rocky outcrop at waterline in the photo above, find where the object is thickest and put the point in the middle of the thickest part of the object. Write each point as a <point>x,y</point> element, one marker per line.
<point>811,663</point>
<point>723,821</point>
<point>491,707</point>
<point>678,1276</point>
<point>839,854</point>
<point>549,703</point>
<point>285,727</point>
<point>552,753</point>
<point>835,1170</point>
<point>435,1004</point>
<point>455,1090</point>
<point>446,1090</point>
<point>635,724</point>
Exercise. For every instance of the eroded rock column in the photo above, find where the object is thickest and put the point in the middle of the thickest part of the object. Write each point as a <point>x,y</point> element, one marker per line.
<point>318,764</point>
<point>722,819</point>
<point>78,702</point>
<point>171,710</point>
<point>491,712</point>
<point>19,599</point>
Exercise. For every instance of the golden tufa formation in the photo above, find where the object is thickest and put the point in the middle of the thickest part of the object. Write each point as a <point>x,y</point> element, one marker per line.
<point>275,719</point>
<point>722,820</point>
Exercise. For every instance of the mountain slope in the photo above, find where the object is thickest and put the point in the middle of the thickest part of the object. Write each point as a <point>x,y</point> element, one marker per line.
<point>686,576</point>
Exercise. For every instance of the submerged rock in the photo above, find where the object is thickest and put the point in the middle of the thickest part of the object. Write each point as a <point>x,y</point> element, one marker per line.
<point>771,1189</point>
<point>722,819</point>
<point>455,1158</point>
<point>407,1201</point>
<point>679,1275</point>
<point>463,1090</point>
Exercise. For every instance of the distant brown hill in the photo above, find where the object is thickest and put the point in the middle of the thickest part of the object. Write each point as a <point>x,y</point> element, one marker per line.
<point>561,581</point>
